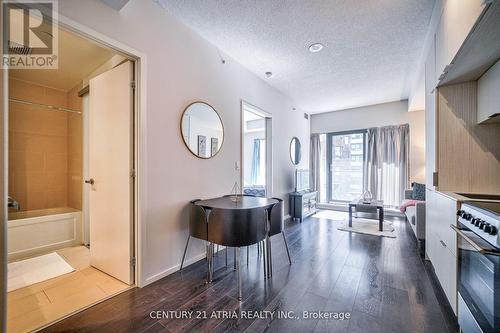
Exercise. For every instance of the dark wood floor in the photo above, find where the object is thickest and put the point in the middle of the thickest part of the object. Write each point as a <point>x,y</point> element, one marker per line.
<point>381,282</point>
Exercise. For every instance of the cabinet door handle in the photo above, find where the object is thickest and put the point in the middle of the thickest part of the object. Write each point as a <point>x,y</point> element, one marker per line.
<point>442,243</point>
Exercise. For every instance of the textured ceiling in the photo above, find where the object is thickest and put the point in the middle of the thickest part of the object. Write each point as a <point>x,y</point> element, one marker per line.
<point>371,53</point>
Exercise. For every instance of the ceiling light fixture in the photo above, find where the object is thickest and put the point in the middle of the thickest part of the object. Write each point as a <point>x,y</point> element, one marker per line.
<point>316,47</point>
<point>269,74</point>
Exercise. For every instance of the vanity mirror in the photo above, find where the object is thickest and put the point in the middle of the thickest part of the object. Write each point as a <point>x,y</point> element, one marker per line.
<point>295,152</point>
<point>202,130</point>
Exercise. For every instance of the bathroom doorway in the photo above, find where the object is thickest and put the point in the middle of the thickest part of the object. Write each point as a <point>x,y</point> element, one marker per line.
<point>256,156</point>
<point>72,183</point>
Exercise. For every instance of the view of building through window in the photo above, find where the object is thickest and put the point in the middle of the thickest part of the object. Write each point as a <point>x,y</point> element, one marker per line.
<point>346,166</point>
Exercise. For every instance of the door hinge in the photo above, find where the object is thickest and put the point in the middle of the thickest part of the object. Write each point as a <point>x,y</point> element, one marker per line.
<point>132,261</point>
<point>132,84</point>
<point>133,174</point>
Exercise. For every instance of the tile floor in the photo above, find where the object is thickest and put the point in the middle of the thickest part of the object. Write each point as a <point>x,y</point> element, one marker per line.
<point>37,305</point>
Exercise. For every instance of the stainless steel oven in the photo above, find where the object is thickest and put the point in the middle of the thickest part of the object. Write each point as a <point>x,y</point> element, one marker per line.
<point>478,267</point>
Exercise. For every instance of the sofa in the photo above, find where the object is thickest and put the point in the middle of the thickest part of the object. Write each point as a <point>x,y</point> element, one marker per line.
<point>416,216</point>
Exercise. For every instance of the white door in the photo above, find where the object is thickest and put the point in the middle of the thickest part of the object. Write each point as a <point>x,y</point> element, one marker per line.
<point>110,167</point>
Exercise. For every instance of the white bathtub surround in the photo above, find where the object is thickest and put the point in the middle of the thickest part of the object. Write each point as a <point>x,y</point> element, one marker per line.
<point>37,232</point>
<point>30,271</point>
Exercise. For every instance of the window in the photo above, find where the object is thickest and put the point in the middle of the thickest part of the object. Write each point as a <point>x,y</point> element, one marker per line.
<point>344,166</point>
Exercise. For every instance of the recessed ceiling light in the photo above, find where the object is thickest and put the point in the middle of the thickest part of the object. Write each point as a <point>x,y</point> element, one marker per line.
<point>269,74</point>
<point>316,47</point>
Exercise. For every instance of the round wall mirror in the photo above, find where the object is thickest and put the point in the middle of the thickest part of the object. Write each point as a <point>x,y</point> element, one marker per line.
<point>295,153</point>
<point>202,130</point>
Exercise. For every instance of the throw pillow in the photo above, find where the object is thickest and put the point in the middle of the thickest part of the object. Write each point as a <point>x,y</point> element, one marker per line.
<point>418,192</point>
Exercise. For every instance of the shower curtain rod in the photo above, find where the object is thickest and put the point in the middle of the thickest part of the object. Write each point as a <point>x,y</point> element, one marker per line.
<point>52,107</point>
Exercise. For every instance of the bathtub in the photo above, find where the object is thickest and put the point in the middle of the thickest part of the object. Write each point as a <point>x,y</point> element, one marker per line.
<point>37,232</point>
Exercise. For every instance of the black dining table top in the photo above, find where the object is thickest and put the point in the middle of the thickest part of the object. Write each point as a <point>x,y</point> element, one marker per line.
<point>245,202</point>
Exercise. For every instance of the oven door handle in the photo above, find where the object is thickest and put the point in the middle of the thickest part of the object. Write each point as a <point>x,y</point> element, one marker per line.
<point>472,243</point>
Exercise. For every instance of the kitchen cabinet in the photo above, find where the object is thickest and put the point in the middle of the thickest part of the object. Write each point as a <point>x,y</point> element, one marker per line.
<point>441,241</point>
<point>457,20</point>
<point>488,98</point>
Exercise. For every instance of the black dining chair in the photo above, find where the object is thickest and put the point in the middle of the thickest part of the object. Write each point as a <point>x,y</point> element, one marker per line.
<point>237,228</point>
<point>278,224</point>
<point>197,226</point>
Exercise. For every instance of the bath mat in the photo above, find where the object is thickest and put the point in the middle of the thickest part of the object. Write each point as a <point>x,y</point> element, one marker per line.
<point>33,270</point>
<point>369,227</point>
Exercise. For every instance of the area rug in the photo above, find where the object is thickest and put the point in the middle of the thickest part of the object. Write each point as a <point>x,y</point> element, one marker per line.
<point>369,227</point>
<point>33,270</point>
<point>331,215</point>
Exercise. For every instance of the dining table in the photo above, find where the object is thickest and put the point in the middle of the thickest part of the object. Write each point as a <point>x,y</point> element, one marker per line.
<point>245,202</point>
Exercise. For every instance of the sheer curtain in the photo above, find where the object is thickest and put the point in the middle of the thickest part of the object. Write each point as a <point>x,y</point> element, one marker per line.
<point>315,163</point>
<point>255,175</point>
<point>386,168</point>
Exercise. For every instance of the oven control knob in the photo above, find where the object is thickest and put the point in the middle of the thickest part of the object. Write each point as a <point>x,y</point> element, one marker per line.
<point>473,221</point>
<point>483,225</point>
<point>460,212</point>
<point>493,230</point>
<point>477,222</point>
<point>487,228</point>
<point>468,217</point>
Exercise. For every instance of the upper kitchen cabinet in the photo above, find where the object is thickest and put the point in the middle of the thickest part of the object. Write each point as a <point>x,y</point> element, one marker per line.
<point>477,52</point>
<point>488,88</point>
<point>457,20</point>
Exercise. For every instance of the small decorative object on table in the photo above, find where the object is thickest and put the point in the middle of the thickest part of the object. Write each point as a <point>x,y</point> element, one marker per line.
<point>367,197</point>
<point>235,193</point>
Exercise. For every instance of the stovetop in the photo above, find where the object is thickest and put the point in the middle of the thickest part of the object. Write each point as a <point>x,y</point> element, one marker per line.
<point>493,208</point>
<point>483,218</point>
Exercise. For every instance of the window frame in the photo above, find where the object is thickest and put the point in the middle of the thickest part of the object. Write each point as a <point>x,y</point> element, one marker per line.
<point>329,160</point>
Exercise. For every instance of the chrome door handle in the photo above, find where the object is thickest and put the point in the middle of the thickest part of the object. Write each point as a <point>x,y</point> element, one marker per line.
<point>90,181</point>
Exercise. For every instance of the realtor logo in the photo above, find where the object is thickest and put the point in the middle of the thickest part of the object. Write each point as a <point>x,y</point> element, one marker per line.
<point>30,34</point>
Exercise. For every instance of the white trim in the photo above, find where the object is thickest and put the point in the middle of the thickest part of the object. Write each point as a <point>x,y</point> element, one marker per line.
<point>173,269</point>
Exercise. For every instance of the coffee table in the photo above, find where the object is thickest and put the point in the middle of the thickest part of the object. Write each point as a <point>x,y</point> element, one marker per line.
<point>375,204</point>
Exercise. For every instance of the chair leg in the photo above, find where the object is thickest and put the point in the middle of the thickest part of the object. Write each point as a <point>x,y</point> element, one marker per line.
<point>239,273</point>
<point>209,262</point>
<point>286,246</point>
<point>248,247</point>
<point>234,261</point>
<point>258,249</point>
<point>264,259</point>
<point>225,250</point>
<point>184,255</point>
<point>213,263</point>
<point>269,258</point>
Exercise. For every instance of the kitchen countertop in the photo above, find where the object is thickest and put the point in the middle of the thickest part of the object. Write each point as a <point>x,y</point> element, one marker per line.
<point>459,197</point>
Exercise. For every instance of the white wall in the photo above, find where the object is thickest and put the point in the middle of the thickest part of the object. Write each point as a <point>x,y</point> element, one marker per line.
<point>181,68</point>
<point>393,113</point>
<point>417,146</point>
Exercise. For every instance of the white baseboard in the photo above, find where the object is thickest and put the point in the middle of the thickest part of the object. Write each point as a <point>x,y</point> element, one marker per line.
<point>171,270</point>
